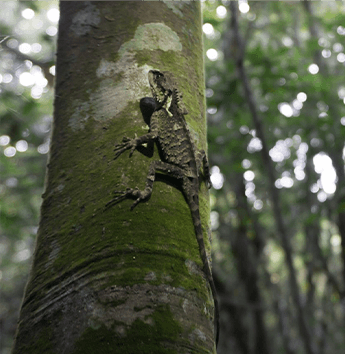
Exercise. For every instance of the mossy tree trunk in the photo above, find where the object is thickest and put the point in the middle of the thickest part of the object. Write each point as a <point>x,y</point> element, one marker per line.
<point>114,280</point>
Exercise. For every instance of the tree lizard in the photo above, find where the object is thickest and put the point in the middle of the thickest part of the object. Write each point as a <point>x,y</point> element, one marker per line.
<point>179,158</point>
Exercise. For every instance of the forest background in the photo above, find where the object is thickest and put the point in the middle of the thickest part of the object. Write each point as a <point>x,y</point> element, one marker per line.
<point>275,95</point>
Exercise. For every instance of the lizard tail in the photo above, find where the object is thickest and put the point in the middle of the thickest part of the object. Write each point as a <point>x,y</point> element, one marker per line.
<point>194,207</point>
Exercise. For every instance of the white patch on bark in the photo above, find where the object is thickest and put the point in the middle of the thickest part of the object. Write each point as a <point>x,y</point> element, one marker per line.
<point>152,36</point>
<point>175,6</point>
<point>197,335</point>
<point>55,250</point>
<point>85,19</point>
<point>80,115</point>
<point>192,267</point>
<point>124,81</point>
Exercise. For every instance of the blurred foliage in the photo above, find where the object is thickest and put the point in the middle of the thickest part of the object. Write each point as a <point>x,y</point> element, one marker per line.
<point>294,58</point>
<point>26,104</point>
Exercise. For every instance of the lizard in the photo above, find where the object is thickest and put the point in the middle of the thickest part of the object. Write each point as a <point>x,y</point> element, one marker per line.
<point>178,158</point>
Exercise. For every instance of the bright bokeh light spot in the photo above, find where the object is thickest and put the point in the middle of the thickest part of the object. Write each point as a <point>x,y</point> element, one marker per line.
<point>278,184</point>
<point>249,175</point>
<point>285,109</point>
<point>276,256</point>
<point>258,204</point>
<point>212,54</point>
<point>28,14</point>
<point>21,145</point>
<point>342,121</point>
<point>254,145</point>
<point>25,48</point>
<point>302,97</point>
<point>324,42</point>
<point>341,92</point>
<point>40,80</point>
<point>36,92</point>
<point>10,151</point>
<point>4,140</point>
<point>212,110</point>
<point>7,78</point>
<point>217,178</point>
<point>36,47</point>
<point>326,53</point>
<point>335,240</point>
<point>250,188</point>
<point>299,173</point>
<point>208,28</point>
<point>341,57</point>
<point>280,151</point>
<point>341,30</point>
<point>287,41</point>
<point>314,188</point>
<point>52,70</point>
<point>321,196</point>
<point>246,163</point>
<point>214,217</point>
<point>26,79</point>
<point>22,255</point>
<point>11,182</point>
<point>313,69</point>
<point>53,15</point>
<point>297,104</point>
<point>221,11</point>
<point>323,166</point>
<point>243,7</point>
<point>43,148</point>
<point>286,182</point>
<point>338,47</point>
<point>51,31</point>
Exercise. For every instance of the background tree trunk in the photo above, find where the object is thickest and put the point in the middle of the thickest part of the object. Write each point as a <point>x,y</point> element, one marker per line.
<point>113,280</point>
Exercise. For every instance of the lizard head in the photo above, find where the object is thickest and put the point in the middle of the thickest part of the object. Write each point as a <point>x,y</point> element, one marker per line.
<point>161,88</point>
<point>165,93</point>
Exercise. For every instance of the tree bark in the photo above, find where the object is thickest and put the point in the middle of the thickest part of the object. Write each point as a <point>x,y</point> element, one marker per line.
<point>115,280</point>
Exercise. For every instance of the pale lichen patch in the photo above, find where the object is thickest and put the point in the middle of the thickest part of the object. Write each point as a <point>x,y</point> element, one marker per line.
<point>192,267</point>
<point>152,36</point>
<point>80,115</point>
<point>124,81</point>
<point>197,335</point>
<point>85,19</point>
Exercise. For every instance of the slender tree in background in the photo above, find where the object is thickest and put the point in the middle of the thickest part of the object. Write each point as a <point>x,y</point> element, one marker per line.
<point>110,279</point>
<point>273,192</point>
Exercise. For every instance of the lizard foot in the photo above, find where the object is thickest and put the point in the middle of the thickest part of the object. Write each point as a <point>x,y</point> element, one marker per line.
<point>119,196</point>
<point>127,144</point>
<point>132,193</point>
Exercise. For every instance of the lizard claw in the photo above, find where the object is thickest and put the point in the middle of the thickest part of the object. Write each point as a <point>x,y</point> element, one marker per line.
<point>128,193</point>
<point>127,144</point>
<point>118,197</point>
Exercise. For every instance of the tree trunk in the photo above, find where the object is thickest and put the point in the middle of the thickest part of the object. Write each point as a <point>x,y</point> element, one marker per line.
<point>114,280</point>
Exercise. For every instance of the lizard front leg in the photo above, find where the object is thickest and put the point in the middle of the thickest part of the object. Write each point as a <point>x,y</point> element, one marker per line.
<point>145,194</point>
<point>132,144</point>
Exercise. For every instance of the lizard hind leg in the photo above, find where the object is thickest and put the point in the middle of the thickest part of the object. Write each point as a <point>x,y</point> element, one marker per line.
<point>155,166</point>
<point>145,194</point>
